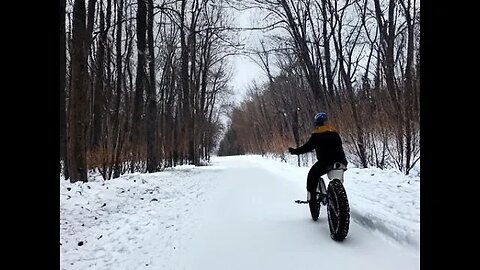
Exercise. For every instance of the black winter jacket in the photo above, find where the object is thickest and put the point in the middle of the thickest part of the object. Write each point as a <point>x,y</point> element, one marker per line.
<point>327,143</point>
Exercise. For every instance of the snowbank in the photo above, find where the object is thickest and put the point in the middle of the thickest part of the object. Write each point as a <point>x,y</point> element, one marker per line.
<point>125,222</point>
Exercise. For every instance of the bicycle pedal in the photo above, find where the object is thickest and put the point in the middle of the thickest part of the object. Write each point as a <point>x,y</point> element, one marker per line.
<point>300,202</point>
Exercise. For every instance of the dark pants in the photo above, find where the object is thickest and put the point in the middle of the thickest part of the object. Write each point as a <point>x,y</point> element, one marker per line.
<point>318,169</point>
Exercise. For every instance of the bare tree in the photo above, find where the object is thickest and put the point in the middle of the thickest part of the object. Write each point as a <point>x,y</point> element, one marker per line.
<point>371,72</point>
<point>116,137</point>
<point>298,29</point>
<point>152,145</point>
<point>63,113</point>
<point>138,106</point>
<point>345,64</point>
<point>98,102</point>
<point>77,111</point>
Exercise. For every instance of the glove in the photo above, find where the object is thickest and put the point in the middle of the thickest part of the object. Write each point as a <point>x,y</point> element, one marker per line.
<point>291,150</point>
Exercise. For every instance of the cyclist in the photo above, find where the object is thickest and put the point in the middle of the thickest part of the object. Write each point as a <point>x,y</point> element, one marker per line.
<point>328,146</point>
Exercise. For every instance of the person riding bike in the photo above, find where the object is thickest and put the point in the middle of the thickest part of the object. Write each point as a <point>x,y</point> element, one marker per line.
<point>328,145</point>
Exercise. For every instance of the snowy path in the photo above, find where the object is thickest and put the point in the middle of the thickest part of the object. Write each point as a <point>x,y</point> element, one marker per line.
<point>251,222</point>
<point>238,213</point>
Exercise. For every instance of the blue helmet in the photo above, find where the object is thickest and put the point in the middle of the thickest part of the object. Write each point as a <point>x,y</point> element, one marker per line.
<point>320,119</point>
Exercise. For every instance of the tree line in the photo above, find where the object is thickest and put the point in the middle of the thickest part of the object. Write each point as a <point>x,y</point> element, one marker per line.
<point>358,60</point>
<point>142,84</point>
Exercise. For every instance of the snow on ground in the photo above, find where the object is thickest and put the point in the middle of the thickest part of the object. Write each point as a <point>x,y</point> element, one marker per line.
<point>141,221</point>
<point>383,200</point>
<point>131,222</point>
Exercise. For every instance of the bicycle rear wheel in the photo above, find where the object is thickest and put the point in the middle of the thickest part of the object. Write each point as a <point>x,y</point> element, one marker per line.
<point>338,210</point>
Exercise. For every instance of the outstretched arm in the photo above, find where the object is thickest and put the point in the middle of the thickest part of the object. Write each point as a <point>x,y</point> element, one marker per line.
<point>307,147</point>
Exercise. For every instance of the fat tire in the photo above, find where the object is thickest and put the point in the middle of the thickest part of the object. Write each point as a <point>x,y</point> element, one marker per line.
<point>314,205</point>
<point>337,199</point>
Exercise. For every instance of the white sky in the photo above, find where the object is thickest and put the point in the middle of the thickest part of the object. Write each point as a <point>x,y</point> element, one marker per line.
<point>245,71</point>
<point>238,213</point>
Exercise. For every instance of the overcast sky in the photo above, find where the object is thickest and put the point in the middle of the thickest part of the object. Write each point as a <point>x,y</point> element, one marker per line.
<point>245,71</point>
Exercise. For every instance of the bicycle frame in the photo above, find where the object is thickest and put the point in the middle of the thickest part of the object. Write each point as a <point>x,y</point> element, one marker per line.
<point>337,171</point>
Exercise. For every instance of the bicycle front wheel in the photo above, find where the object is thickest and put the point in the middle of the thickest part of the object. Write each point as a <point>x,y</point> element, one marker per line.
<point>314,204</point>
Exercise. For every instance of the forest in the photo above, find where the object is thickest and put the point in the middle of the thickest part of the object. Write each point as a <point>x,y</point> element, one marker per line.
<point>144,84</point>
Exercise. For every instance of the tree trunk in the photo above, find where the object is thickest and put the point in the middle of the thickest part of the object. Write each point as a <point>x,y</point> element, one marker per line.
<point>312,75</point>
<point>152,149</point>
<point>326,45</point>
<point>388,43</point>
<point>90,22</point>
<point>63,70</point>
<point>409,86</point>
<point>98,102</point>
<point>79,90</point>
<point>117,145</point>
<point>186,125</point>
<point>136,143</point>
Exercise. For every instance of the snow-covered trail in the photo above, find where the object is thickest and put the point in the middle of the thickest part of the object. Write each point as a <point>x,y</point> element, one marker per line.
<point>250,221</point>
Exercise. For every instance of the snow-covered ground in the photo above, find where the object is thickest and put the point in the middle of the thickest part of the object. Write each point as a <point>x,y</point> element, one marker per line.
<point>383,200</point>
<point>237,213</point>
